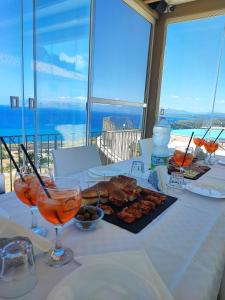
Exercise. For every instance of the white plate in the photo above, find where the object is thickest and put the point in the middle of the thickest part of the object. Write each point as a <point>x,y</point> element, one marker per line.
<point>210,187</point>
<point>221,162</point>
<point>108,171</point>
<point>3,213</point>
<point>103,281</point>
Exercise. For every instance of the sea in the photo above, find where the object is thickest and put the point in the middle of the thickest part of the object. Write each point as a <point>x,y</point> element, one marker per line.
<point>67,122</point>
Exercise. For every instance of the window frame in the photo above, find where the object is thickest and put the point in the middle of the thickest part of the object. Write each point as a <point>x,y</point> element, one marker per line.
<point>148,15</point>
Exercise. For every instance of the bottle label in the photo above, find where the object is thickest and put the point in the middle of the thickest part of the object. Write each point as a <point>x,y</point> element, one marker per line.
<point>158,161</point>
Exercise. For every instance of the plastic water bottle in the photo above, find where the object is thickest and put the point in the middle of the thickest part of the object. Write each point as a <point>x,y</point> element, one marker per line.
<point>161,138</point>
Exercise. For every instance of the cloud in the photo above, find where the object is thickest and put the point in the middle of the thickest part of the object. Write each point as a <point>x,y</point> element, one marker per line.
<point>174,96</point>
<point>9,60</point>
<point>221,101</point>
<point>78,60</point>
<point>196,99</point>
<point>55,70</point>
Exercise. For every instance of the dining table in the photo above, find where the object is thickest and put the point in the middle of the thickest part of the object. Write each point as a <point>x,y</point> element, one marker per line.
<point>186,243</point>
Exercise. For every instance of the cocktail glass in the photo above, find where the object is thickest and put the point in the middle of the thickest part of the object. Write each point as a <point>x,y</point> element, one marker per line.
<point>211,147</point>
<point>58,205</point>
<point>199,142</point>
<point>183,158</point>
<point>27,191</point>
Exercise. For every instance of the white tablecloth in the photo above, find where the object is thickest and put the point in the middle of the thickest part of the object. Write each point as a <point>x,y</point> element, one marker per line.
<point>186,243</point>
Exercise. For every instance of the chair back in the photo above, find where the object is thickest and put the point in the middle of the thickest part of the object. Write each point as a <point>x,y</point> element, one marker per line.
<point>2,183</point>
<point>68,161</point>
<point>146,147</point>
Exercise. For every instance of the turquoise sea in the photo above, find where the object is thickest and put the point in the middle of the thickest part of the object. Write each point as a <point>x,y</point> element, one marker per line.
<point>187,132</point>
<point>67,122</point>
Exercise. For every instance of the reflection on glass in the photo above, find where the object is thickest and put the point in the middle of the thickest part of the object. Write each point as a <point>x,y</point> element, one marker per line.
<point>116,130</point>
<point>62,41</point>
<point>120,51</point>
<point>189,73</point>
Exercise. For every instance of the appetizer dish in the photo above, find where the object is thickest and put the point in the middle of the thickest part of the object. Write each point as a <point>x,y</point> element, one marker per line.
<point>123,198</point>
<point>88,217</point>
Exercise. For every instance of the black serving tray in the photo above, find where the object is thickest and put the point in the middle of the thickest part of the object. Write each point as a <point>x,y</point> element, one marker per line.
<point>141,223</point>
<point>197,176</point>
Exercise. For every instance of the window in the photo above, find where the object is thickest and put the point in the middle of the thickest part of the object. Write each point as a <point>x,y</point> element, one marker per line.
<point>189,76</point>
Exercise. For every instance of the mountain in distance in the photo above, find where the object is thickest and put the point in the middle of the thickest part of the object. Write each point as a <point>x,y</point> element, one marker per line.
<point>184,113</point>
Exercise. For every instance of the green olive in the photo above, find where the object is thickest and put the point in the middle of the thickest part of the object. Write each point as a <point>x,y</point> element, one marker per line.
<point>95,217</point>
<point>80,217</point>
<point>81,210</point>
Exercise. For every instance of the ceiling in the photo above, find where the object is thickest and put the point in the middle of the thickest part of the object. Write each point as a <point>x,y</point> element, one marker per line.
<point>172,2</point>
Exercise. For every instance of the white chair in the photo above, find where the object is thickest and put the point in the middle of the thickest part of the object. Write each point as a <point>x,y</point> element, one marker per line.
<point>68,161</point>
<point>146,147</point>
<point>2,183</point>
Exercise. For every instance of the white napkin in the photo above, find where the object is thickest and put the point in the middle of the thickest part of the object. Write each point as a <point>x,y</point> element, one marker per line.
<point>109,170</point>
<point>159,178</point>
<point>138,262</point>
<point>3,213</point>
<point>10,229</point>
<point>210,187</point>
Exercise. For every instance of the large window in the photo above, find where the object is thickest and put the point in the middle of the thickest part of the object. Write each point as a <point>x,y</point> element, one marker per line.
<point>192,54</point>
<point>62,51</point>
<point>120,50</point>
<point>77,70</point>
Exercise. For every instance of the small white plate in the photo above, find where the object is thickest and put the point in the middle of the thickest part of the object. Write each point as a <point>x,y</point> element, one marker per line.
<point>101,281</point>
<point>108,171</point>
<point>221,162</point>
<point>210,187</point>
<point>3,213</point>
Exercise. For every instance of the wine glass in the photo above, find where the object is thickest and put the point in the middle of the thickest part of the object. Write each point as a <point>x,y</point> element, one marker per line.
<point>26,186</point>
<point>183,158</point>
<point>211,147</point>
<point>199,142</point>
<point>58,205</point>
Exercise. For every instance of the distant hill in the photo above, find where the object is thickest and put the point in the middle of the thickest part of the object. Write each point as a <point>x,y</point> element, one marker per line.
<point>184,113</point>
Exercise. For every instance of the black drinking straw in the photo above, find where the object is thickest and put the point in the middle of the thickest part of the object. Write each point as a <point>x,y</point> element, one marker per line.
<point>187,148</point>
<point>35,170</point>
<point>206,132</point>
<point>218,136</point>
<point>40,179</point>
<point>11,157</point>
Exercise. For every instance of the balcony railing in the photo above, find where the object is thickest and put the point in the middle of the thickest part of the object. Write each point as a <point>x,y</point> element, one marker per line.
<point>113,146</point>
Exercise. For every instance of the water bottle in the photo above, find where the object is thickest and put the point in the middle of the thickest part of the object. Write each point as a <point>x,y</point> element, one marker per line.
<point>161,138</point>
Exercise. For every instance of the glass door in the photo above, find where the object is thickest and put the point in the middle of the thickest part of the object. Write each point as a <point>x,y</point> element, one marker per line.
<point>11,92</point>
<point>61,65</point>
<point>16,75</point>
<point>120,52</point>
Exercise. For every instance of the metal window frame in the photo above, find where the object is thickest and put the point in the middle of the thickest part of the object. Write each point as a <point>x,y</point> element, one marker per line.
<point>151,18</point>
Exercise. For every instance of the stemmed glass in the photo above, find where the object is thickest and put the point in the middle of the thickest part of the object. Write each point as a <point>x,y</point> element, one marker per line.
<point>183,158</point>
<point>211,147</point>
<point>58,205</point>
<point>199,142</point>
<point>27,191</point>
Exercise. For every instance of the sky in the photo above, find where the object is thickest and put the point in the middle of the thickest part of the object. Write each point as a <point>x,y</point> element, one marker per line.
<point>120,50</point>
<point>190,66</point>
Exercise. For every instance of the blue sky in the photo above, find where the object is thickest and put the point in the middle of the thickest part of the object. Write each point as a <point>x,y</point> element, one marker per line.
<point>119,55</point>
<point>191,60</point>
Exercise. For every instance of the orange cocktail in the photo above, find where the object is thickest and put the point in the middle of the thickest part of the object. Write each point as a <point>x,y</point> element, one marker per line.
<point>61,207</point>
<point>27,190</point>
<point>198,141</point>
<point>58,205</point>
<point>211,147</point>
<point>181,159</point>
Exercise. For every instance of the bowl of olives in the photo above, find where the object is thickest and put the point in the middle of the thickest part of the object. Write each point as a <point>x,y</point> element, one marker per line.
<point>88,217</point>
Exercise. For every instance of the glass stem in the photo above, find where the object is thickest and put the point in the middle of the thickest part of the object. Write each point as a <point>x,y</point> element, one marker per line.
<point>58,248</point>
<point>34,217</point>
